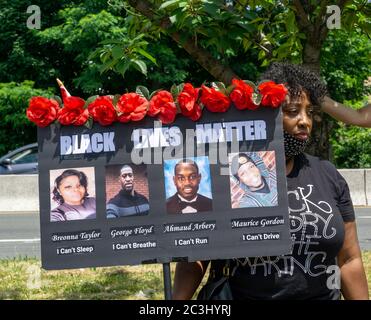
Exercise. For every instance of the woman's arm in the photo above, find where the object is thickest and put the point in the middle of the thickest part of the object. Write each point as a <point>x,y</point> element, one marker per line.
<point>360,117</point>
<point>188,276</point>
<point>353,277</point>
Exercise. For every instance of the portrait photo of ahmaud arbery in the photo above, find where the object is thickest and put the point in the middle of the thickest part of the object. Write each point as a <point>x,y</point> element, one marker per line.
<point>187,179</point>
<point>127,202</point>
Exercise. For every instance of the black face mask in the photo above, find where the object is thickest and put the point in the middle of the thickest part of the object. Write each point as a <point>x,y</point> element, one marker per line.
<point>293,146</point>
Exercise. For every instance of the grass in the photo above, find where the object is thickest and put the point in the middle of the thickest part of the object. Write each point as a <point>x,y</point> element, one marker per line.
<point>23,279</point>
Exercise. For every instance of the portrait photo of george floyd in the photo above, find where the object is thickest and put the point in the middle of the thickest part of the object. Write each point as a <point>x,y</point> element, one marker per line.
<point>253,180</point>
<point>126,191</point>
<point>72,194</point>
<point>188,185</point>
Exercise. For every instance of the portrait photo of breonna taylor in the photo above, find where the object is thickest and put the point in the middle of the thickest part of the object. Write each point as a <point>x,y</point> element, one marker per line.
<point>72,194</point>
<point>253,180</point>
<point>188,185</point>
<point>126,190</point>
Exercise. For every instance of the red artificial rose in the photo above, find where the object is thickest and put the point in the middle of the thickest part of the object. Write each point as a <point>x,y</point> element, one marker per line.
<point>163,106</point>
<point>102,110</point>
<point>132,106</point>
<point>42,111</point>
<point>241,95</point>
<point>214,100</point>
<point>187,100</point>
<point>73,112</point>
<point>273,94</point>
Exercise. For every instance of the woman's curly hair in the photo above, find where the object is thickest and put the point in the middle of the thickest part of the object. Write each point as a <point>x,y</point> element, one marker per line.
<point>296,78</point>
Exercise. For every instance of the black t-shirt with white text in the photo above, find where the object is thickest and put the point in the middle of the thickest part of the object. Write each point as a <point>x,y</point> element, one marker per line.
<point>319,204</point>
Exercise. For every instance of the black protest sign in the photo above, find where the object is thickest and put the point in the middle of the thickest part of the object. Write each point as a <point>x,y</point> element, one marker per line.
<point>145,193</point>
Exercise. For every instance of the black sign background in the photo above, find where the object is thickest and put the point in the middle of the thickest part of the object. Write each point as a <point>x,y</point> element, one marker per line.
<point>223,242</point>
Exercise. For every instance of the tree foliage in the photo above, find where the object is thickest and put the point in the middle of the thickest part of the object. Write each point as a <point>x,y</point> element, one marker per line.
<point>216,32</point>
<point>292,30</point>
<point>107,47</point>
<point>345,65</point>
<point>352,147</point>
<point>15,129</point>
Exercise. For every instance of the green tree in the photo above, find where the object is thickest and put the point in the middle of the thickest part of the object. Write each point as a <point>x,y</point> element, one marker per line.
<point>15,129</point>
<point>21,55</point>
<point>70,31</point>
<point>345,65</point>
<point>81,27</point>
<point>352,147</point>
<point>293,29</point>
<point>80,39</point>
<point>215,32</point>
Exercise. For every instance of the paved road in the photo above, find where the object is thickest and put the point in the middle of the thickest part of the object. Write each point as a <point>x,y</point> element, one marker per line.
<point>20,233</point>
<point>364,227</point>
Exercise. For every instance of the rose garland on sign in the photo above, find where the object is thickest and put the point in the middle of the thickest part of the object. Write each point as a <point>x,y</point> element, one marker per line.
<point>165,105</point>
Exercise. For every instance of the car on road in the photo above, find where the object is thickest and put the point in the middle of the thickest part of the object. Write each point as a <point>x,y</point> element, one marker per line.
<point>21,160</point>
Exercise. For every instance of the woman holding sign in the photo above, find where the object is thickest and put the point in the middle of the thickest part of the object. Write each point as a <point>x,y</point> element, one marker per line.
<point>326,257</point>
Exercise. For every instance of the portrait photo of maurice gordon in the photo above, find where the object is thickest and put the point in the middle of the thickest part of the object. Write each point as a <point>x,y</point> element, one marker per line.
<point>126,191</point>
<point>188,185</point>
<point>253,181</point>
<point>72,194</point>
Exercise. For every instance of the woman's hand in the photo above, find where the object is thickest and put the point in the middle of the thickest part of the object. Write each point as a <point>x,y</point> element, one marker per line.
<point>188,276</point>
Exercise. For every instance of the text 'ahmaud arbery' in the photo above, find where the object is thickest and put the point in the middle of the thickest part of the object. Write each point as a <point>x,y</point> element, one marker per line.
<point>191,226</point>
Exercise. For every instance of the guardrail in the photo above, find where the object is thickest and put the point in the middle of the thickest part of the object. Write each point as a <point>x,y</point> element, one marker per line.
<point>21,192</point>
<point>357,182</point>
